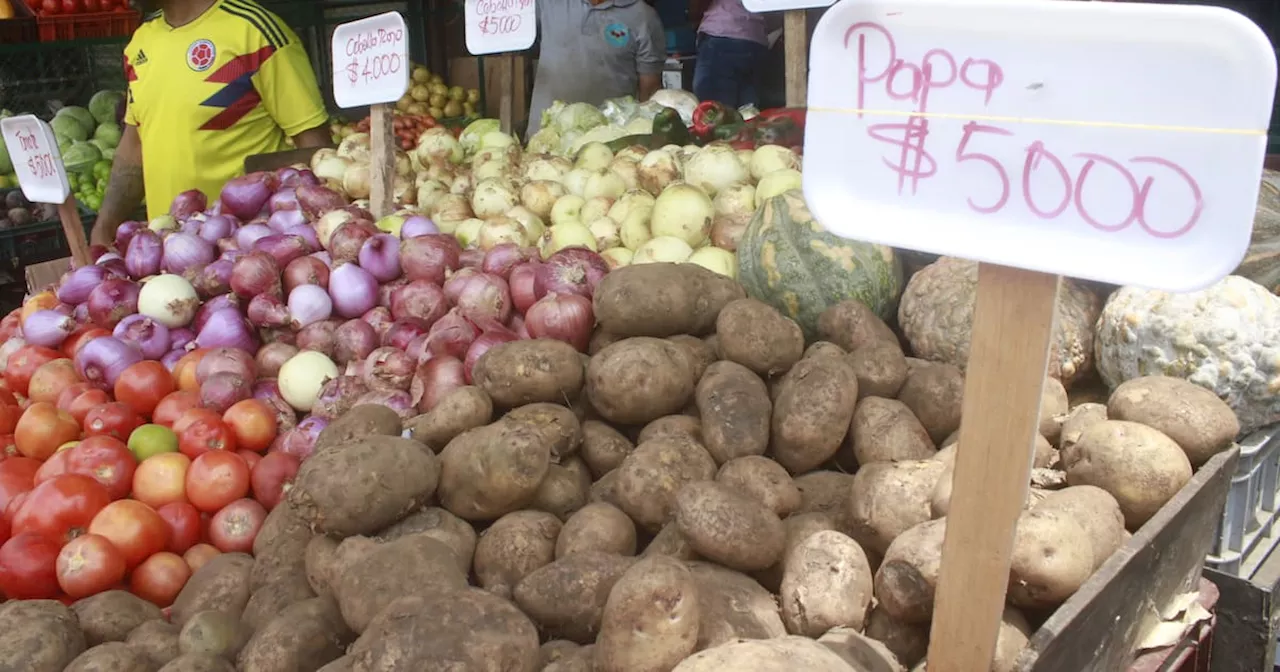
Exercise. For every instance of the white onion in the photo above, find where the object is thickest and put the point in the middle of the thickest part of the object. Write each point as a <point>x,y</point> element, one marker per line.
<point>168,299</point>
<point>302,377</point>
<point>572,234</point>
<point>663,249</point>
<point>776,183</point>
<point>685,212</point>
<point>715,259</point>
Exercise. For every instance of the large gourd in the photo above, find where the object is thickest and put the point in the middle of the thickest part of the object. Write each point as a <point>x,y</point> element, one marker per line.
<point>786,259</point>
<point>1261,263</point>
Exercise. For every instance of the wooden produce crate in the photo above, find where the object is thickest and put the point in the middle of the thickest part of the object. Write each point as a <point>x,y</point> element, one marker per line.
<point>94,26</point>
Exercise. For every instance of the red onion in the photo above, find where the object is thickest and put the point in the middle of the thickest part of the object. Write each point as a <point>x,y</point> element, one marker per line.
<point>304,177</point>
<point>573,270</point>
<point>434,380</point>
<point>186,250</point>
<point>479,295</point>
<point>272,356</point>
<point>388,368</point>
<point>305,271</point>
<point>306,232</point>
<point>278,335</point>
<point>346,241</point>
<point>518,326</point>
<point>388,290</point>
<point>417,225</point>
<point>78,283</point>
<point>417,348</point>
<point>81,314</point>
<point>226,329</point>
<point>481,345</point>
<point>115,267</point>
<point>421,300</point>
<point>301,440</point>
<point>324,258</point>
<point>283,220</point>
<point>402,332</point>
<point>338,396</point>
<point>226,360</point>
<point>397,400</point>
<point>125,233</point>
<point>255,273</point>
<point>100,361</point>
<point>187,203</point>
<point>358,212</point>
<point>267,390</point>
<point>451,335</point>
<point>500,259</point>
<point>249,234</point>
<point>355,339</point>
<point>222,390</point>
<point>379,318</point>
<point>563,317</point>
<point>171,358</point>
<point>179,338</point>
<point>151,338</point>
<point>48,328</point>
<point>216,228</point>
<point>212,306</point>
<point>353,289</point>
<point>268,310</point>
<point>64,309</point>
<point>110,301</point>
<point>245,196</point>
<point>429,257</point>
<point>471,258</point>
<point>284,200</point>
<point>287,177</point>
<point>190,225</point>
<point>98,251</point>
<point>521,285</point>
<point>309,304</point>
<point>230,249</point>
<point>316,200</point>
<point>320,336</point>
<point>145,254</point>
<point>282,248</point>
<point>211,280</point>
<point>380,255</point>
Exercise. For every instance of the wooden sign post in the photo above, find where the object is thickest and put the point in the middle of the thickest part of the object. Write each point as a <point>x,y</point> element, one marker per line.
<point>371,67</point>
<point>43,178</point>
<point>795,41</point>
<point>1039,139</point>
<point>498,27</point>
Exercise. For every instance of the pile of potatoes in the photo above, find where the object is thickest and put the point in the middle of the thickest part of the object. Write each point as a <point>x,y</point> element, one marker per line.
<point>704,492</point>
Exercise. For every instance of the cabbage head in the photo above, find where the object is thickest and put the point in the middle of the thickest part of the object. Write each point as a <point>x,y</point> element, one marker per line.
<point>109,134</point>
<point>80,114</point>
<point>69,127</point>
<point>579,117</point>
<point>549,114</point>
<point>620,110</point>
<point>104,104</point>
<point>470,137</point>
<point>80,156</point>
<point>604,134</point>
<point>6,164</point>
<point>545,141</point>
<point>679,100</point>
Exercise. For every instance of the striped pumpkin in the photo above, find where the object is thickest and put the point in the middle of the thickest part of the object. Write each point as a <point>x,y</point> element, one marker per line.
<point>1261,262</point>
<point>786,259</point>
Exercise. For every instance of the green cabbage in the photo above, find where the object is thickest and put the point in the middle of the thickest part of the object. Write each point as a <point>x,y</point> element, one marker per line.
<point>108,133</point>
<point>579,117</point>
<point>69,127</point>
<point>80,114</point>
<point>470,137</point>
<point>620,110</point>
<point>604,134</point>
<point>549,114</point>
<point>103,105</point>
<point>80,156</point>
<point>545,141</point>
<point>6,164</point>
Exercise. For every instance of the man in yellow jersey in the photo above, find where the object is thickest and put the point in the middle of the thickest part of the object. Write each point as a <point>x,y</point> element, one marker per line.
<point>210,83</point>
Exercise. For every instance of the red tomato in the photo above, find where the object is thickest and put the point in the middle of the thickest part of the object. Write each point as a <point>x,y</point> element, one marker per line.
<point>216,479</point>
<point>90,7</point>
<point>86,401</point>
<point>62,507</point>
<point>206,435</point>
<point>184,526</point>
<point>160,578</point>
<point>199,554</point>
<point>173,406</point>
<point>48,381</point>
<point>234,528</point>
<point>28,567</point>
<point>8,447</point>
<point>89,565</point>
<point>69,395</point>
<point>184,371</point>
<point>6,397</point>
<point>135,528</point>
<point>273,477</point>
<point>253,423</point>
<point>15,504</point>
<point>42,429</point>
<point>53,467</point>
<point>143,385</point>
<point>184,421</point>
<point>17,475</point>
<point>105,459</point>
<point>250,458</point>
<point>79,337</point>
<point>113,419</point>
<point>9,416</point>
<point>161,479</point>
<point>22,364</point>
<point>72,7</point>
<point>4,530</point>
<point>50,7</point>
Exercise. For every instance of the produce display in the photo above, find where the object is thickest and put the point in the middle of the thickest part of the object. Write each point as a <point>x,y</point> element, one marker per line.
<point>69,7</point>
<point>428,100</point>
<point>87,139</point>
<point>18,211</point>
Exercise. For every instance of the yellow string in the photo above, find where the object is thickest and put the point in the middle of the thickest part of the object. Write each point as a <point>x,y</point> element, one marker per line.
<point>1035,120</point>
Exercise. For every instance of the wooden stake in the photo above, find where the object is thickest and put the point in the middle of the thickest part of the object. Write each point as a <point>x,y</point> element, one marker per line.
<point>382,162</point>
<point>74,230</point>
<point>1013,324</point>
<point>506,104</point>
<point>795,40</point>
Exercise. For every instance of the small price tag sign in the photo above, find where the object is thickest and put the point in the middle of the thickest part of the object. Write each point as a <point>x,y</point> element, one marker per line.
<point>1042,135</point>
<point>759,6</point>
<point>497,26</point>
<point>370,61</point>
<point>36,159</point>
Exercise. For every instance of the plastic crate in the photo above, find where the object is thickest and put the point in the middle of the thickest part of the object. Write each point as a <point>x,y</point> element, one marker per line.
<point>21,28</point>
<point>87,26</point>
<point>1245,535</point>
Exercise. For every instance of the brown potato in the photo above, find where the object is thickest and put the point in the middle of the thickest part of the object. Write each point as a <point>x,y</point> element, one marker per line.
<point>880,367</point>
<point>908,575</point>
<point>757,336</point>
<point>566,598</point>
<point>679,425</point>
<point>798,528</point>
<point>215,633</point>
<point>198,662</point>
<point>1079,419</point>
<point>852,326</point>
<point>111,616</point>
<point>754,655</point>
<point>908,642</point>
<point>823,349</point>
<point>823,491</point>
<point>637,380</point>
<point>560,428</point>
<point>525,372</point>
<point>367,581</point>
<point>599,527</point>
<point>603,447</point>
<point>361,422</point>
<point>826,584</point>
<point>650,619</point>
<point>440,525</point>
<point>515,545</point>
<point>728,528</point>
<point>661,300</point>
<point>1052,558</point>
<point>221,584</point>
<point>601,339</point>
<point>933,392</point>
<point>38,636</point>
<point>565,489</point>
<point>889,498</point>
<point>1195,418</point>
<point>465,408</point>
<point>885,430</point>
<point>1096,511</point>
<point>1053,409</point>
<point>651,475</point>
<point>700,353</point>
<point>580,659</point>
<point>156,640</point>
<point>1011,639</point>
<point>319,560</point>
<point>1139,466</point>
<point>731,606</point>
<point>763,480</point>
<point>605,489</point>
<point>305,636</point>
<point>111,657</point>
<point>365,486</point>
<point>274,597</point>
<point>734,408</point>
<point>493,470</point>
<point>811,415</point>
<point>279,550</point>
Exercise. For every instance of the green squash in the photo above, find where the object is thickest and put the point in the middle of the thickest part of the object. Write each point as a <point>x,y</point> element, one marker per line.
<point>786,259</point>
<point>1261,262</point>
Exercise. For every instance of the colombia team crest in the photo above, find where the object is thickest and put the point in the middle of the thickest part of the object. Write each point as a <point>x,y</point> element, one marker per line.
<point>200,55</point>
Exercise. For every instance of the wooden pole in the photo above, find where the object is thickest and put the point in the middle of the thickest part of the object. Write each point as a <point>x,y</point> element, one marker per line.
<point>382,161</point>
<point>506,104</point>
<point>74,230</point>
<point>795,40</point>
<point>1013,324</point>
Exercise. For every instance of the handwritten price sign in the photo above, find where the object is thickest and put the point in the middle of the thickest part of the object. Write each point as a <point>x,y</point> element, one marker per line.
<point>758,6</point>
<point>370,61</point>
<point>1042,135</point>
<point>36,159</point>
<point>496,26</point>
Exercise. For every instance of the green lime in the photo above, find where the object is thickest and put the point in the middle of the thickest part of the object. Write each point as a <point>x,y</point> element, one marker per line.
<point>149,440</point>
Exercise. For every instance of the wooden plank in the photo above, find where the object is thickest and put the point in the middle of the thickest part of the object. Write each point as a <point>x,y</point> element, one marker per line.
<point>1012,326</point>
<point>382,161</point>
<point>73,228</point>
<point>506,101</point>
<point>795,44</point>
<point>1102,624</point>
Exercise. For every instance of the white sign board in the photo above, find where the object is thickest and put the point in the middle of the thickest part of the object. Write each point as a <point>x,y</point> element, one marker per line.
<point>758,6</point>
<point>36,159</point>
<point>371,61</point>
<point>496,26</point>
<point>1114,142</point>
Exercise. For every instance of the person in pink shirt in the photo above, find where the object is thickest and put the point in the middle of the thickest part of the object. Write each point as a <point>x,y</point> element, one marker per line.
<point>732,44</point>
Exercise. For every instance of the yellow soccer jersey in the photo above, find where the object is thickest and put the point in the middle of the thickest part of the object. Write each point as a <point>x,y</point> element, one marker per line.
<point>233,83</point>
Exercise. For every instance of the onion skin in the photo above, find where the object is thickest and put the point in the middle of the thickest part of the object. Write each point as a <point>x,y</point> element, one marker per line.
<point>320,337</point>
<point>500,259</point>
<point>305,271</point>
<point>112,300</point>
<point>101,361</point>
<point>402,332</point>
<point>480,296</point>
<point>338,396</point>
<point>353,290</point>
<point>255,273</point>
<point>213,279</point>
<point>188,203</point>
<point>48,328</point>
<point>419,300</point>
<point>344,246</point>
<point>434,380</point>
<point>78,283</point>
<point>430,257</point>
<point>380,255</point>
<point>300,441</point>
<point>227,329</point>
<point>451,336</point>
<point>316,200</point>
<point>267,310</point>
<point>222,390</point>
<point>267,391</point>
<point>145,254</point>
<point>354,340</point>
<point>271,357</point>
<point>389,369</point>
<point>306,232</point>
<point>399,401</point>
<point>150,337</point>
<point>226,360</point>
<point>481,345</point>
<point>471,258</point>
<point>573,270</point>
<point>563,317</point>
<point>380,319</point>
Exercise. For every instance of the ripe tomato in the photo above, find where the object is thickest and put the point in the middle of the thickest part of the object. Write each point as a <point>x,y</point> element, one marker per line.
<point>15,504</point>
<point>53,467</point>
<point>191,416</point>
<point>90,7</point>
<point>135,528</point>
<point>79,337</point>
<point>250,458</point>
<point>143,385</point>
<point>273,477</point>
<point>87,401</point>
<point>23,363</point>
<point>17,475</point>
<point>5,529</point>
<point>234,528</point>
<point>50,7</point>
<point>160,578</point>
<point>173,406</point>
<point>253,423</point>
<point>8,447</point>
<point>184,371</point>
<point>206,435</point>
<point>9,418</point>
<point>6,397</point>
<point>48,381</point>
<point>89,565</point>
<point>113,419</point>
<point>184,526</point>
<point>28,567</point>
<point>72,7</point>
<point>161,479</point>
<point>216,479</point>
<point>105,459</point>
<point>62,507</point>
<point>70,393</point>
<point>42,429</point>
<point>199,554</point>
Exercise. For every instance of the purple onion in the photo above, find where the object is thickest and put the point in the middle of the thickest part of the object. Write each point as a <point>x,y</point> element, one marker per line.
<point>186,250</point>
<point>284,199</point>
<point>125,233</point>
<point>267,310</point>
<point>211,280</point>
<point>380,255</point>
<point>353,290</point>
<point>282,248</point>
<point>245,196</point>
<point>171,358</point>
<point>215,208</point>
<point>304,178</point>
<point>101,361</point>
<point>47,328</point>
<point>151,338</point>
<point>249,234</point>
<point>77,284</point>
<point>216,228</point>
<point>144,255</point>
<point>397,400</point>
<point>306,232</point>
<point>309,304</point>
<point>267,390</point>
<point>188,203</point>
<point>301,440</point>
<point>181,337</point>
<point>283,220</point>
<point>112,300</point>
<point>324,256</point>
<point>189,225</point>
<point>355,339</point>
<point>417,225</point>
<point>115,268</point>
<point>81,313</point>
<point>107,256</point>
<point>227,329</point>
<point>212,306</point>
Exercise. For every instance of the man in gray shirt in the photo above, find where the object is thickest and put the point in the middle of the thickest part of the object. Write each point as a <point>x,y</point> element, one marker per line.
<point>595,50</point>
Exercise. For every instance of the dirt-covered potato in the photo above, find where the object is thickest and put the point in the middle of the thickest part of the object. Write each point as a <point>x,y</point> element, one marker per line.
<point>783,653</point>
<point>601,339</point>
<point>198,662</point>
<point>305,636</point>
<point>811,414</point>
<point>885,430</point>
<point>566,488</point>
<point>701,354</point>
<point>940,501</point>
<point>1011,639</point>
<point>826,583</point>
<point>823,491</point>
<point>1054,407</point>
<point>566,598</point>
<point>650,620</point>
<point>1079,419</point>
<point>729,528</point>
<point>365,582</point>
<point>515,545</point>
<point>525,372</point>
<point>275,597</point>
<point>908,575</point>
<point>493,470</point>
<point>579,659</point>
<point>889,498</point>
<point>221,584</point>
<point>440,525</point>
<point>559,426</point>
<point>851,325</point>
<point>1141,467</point>
<point>605,489</point>
<point>216,633</point>
<point>111,616</point>
<point>680,425</point>
<point>880,368</point>
<point>38,636</point>
<point>757,336</point>
<point>600,527</point>
<point>823,349</point>
<point>1096,511</point>
<point>343,664</point>
<point>465,408</point>
<point>670,542</point>
<point>763,480</point>
<point>731,605</point>
<point>1052,558</point>
<point>934,392</point>
<point>1192,416</point>
<point>557,649</point>
<point>907,641</point>
<point>798,528</point>
<point>361,422</point>
<point>637,380</point>
<point>662,300</point>
<point>157,640</point>
<point>652,474</point>
<point>111,657</point>
<point>279,550</point>
<point>320,557</point>
<point>603,447</point>
<point>734,408</point>
<point>364,487</point>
